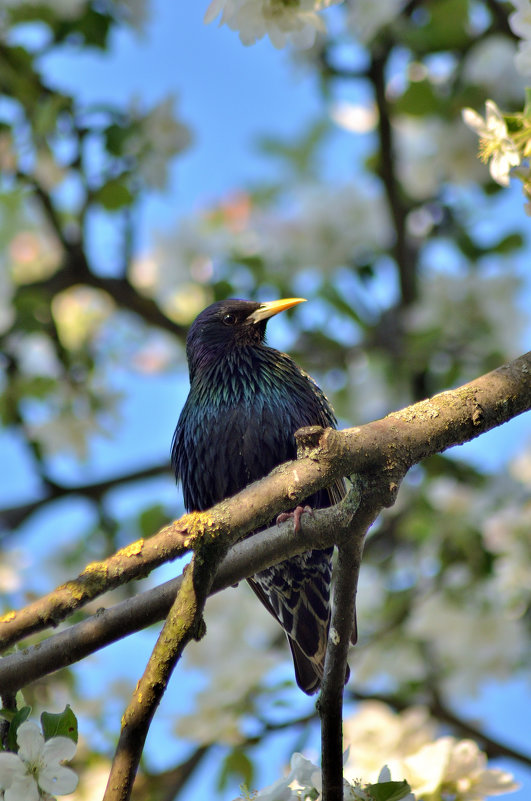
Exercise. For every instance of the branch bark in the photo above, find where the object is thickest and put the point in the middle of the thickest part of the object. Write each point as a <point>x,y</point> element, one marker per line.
<point>184,623</point>
<point>245,558</point>
<point>391,446</point>
<point>370,497</point>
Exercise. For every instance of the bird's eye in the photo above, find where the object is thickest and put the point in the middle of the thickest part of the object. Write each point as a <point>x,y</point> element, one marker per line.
<point>229,319</point>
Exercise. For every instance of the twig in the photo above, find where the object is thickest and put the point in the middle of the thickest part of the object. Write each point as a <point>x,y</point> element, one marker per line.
<point>13,516</point>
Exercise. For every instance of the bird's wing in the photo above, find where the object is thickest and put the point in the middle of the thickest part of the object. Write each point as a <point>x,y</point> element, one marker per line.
<point>303,616</point>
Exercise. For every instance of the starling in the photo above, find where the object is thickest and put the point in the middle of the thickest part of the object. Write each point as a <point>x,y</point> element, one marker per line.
<point>245,403</point>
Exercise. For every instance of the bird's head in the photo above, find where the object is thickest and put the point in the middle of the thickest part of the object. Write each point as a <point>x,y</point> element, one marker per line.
<point>229,324</point>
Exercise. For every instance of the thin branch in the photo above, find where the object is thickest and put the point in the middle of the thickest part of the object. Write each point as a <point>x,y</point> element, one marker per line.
<point>392,444</point>
<point>13,516</point>
<point>370,497</point>
<point>493,748</point>
<point>121,290</point>
<point>167,785</point>
<point>404,253</point>
<point>184,623</point>
<point>439,709</point>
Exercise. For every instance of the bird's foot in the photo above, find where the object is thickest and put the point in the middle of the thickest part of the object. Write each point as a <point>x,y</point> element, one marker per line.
<point>296,515</point>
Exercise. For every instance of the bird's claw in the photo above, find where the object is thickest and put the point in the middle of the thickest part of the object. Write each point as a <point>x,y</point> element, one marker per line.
<point>296,515</point>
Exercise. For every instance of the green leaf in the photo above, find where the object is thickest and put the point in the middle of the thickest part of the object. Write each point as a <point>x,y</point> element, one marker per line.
<point>509,243</point>
<point>115,138</point>
<point>389,791</point>
<point>152,519</point>
<point>444,25</point>
<point>62,724</point>
<point>94,27</point>
<point>527,107</point>
<point>45,115</point>
<point>114,194</point>
<point>19,717</point>
<point>237,763</point>
<point>418,100</point>
<point>302,155</point>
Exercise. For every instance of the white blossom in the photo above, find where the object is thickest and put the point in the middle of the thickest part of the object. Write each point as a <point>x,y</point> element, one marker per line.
<point>458,768</point>
<point>324,229</point>
<point>304,780</point>
<point>496,146</point>
<point>431,152</point>
<point>79,313</point>
<point>520,20</point>
<point>467,773</point>
<point>233,675</point>
<point>432,768</point>
<point>522,58</point>
<point>490,64</point>
<point>453,306</point>
<point>160,136</point>
<point>489,634</point>
<point>35,354</point>
<point>37,766</point>
<point>366,18</point>
<point>376,732</point>
<point>293,22</point>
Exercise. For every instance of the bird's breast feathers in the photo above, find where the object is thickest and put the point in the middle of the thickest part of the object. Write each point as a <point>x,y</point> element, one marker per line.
<point>239,421</point>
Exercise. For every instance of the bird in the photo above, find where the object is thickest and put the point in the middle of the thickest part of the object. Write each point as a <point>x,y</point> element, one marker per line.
<point>245,403</point>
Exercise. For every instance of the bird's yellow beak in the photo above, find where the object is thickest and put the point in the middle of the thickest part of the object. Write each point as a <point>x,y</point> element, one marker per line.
<point>267,310</point>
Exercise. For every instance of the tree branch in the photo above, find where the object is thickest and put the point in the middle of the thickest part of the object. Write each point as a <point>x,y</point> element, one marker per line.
<point>404,253</point>
<point>391,445</point>
<point>266,548</point>
<point>13,516</point>
<point>184,623</point>
<point>371,494</point>
<point>440,710</point>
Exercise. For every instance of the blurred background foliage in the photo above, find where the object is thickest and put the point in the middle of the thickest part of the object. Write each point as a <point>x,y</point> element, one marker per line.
<point>414,264</point>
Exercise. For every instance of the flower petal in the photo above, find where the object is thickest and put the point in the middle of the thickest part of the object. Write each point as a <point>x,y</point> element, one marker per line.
<point>30,741</point>
<point>11,766</point>
<point>58,749</point>
<point>215,8</point>
<point>474,120</point>
<point>23,787</point>
<point>58,780</point>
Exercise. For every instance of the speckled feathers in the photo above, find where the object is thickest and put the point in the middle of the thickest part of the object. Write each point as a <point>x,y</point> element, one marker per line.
<point>246,400</point>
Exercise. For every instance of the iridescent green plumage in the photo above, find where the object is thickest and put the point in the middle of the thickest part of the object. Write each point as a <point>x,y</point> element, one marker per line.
<point>246,401</point>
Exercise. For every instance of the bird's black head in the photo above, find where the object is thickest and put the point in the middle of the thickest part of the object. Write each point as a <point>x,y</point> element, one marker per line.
<point>229,324</point>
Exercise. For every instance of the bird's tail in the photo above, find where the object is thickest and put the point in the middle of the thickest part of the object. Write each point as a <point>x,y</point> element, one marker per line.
<point>297,593</point>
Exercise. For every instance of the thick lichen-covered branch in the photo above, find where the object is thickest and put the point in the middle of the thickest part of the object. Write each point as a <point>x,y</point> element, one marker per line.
<point>392,444</point>
<point>267,547</point>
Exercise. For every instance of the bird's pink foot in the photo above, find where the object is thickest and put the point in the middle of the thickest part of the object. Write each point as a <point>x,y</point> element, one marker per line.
<point>296,515</point>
